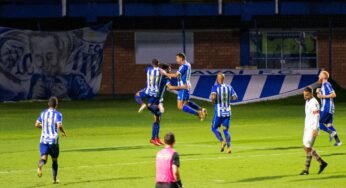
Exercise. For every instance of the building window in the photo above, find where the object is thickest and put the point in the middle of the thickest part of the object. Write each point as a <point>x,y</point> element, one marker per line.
<point>283,50</point>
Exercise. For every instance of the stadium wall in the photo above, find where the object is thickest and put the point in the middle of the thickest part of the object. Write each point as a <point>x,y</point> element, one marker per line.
<point>213,50</point>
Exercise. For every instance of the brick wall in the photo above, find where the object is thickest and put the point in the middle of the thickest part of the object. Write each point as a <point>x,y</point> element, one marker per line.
<point>338,71</point>
<point>217,49</point>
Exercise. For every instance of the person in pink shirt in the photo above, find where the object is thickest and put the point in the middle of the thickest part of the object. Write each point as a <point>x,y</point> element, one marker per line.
<point>167,165</point>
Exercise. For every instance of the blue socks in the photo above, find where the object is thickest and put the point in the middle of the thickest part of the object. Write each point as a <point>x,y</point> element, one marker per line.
<point>194,105</point>
<point>188,109</point>
<point>336,137</point>
<point>138,99</point>
<point>227,136</point>
<point>217,134</point>
<point>324,128</point>
<point>55,169</point>
<point>156,130</point>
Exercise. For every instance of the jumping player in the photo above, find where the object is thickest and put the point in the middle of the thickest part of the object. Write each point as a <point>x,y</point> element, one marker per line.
<point>157,108</point>
<point>221,96</point>
<point>183,75</point>
<point>50,121</point>
<point>167,165</point>
<point>327,94</point>
<point>311,129</point>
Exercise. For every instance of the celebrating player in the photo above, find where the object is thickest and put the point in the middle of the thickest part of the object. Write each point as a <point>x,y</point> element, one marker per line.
<point>312,117</point>
<point>151,92</point>
<point>50,121</point>
<point>167,165</point>
<point>326,93</point>
<point>221,96</point>
<point>157,108</point>
<point>183,75</point>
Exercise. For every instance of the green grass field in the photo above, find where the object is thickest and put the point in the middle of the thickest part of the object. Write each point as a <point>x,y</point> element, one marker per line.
<point>107,146</point>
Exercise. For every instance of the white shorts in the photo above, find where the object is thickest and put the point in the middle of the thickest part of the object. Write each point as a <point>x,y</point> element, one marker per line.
<point>308,139</point>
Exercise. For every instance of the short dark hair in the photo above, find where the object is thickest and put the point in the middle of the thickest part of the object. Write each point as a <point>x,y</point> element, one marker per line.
<point>169,138</point>
<point>308,89</point>
<point>164,66</point>
<point>181,55</point>
<point>53,102</point>
<point>155,62</point>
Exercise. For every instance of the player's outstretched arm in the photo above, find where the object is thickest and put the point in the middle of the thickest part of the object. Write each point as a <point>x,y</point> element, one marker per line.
<point>171,87</point>
<point>62,130</point>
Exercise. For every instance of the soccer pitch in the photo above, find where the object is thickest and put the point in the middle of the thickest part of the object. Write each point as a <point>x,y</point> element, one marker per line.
<point>108,146</point>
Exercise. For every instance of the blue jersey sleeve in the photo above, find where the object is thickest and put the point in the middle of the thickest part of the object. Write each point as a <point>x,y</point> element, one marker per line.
<point>233,93</point>
<point>214,89</point>
<point>59,118</point>
<point>39,119</point>
<point>182,70</point>
<point>329,89</point>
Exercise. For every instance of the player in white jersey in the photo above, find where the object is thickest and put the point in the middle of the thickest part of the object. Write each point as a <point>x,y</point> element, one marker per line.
<point>311,129</point>
<point>183,77</point>
<point>50,121</point>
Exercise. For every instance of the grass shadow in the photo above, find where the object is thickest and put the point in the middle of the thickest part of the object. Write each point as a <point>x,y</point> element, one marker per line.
<point>280,148</point>
<point>108,149</point>
<point>333,154</point>
<point>322,178</point>
<point>258,179</point>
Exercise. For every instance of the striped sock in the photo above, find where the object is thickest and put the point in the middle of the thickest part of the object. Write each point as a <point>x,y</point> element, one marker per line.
<point>308,161</point>
<point>316,156</point>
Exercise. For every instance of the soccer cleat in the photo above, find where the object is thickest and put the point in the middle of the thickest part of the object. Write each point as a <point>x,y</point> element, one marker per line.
<point>229,151</point>
<point>159,141</point>
<point>331,136</point>
<point>322,167</point>
<point>201,115</point>
<point>223,145</point>
<point>205,112</point>
<point>337,144</point>
<point>154,142</point>
<point>304,172</point>
<point>55,181</point>
<point>144,106</point>
<point>39,172</point>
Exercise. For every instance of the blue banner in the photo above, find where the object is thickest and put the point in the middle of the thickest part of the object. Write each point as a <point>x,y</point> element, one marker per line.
<point>254,85</point>
<point>37,64</point>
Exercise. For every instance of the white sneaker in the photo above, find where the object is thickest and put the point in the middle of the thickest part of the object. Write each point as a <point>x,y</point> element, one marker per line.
<point>144,106</point>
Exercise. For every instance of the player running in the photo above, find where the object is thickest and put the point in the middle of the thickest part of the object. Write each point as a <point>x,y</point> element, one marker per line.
<point>221,96</point>
<point>312,117</point>
<point>327,94</point>
<point>50,121</point>
<point>183,75</point>
<point>167,165</point>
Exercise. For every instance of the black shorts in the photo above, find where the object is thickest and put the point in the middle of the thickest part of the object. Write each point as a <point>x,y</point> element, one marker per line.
<point>166,185</point>
<point>49,149</point>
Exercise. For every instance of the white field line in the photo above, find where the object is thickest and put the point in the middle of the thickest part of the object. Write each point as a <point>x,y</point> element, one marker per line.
<point>229,157</point>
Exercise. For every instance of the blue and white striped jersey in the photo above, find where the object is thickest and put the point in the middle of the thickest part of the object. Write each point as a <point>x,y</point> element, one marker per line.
<point>153,81</point>
<point>49,119</point>
<point>327,104</point>
<point>184,74</point>
<point>224,95</point>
